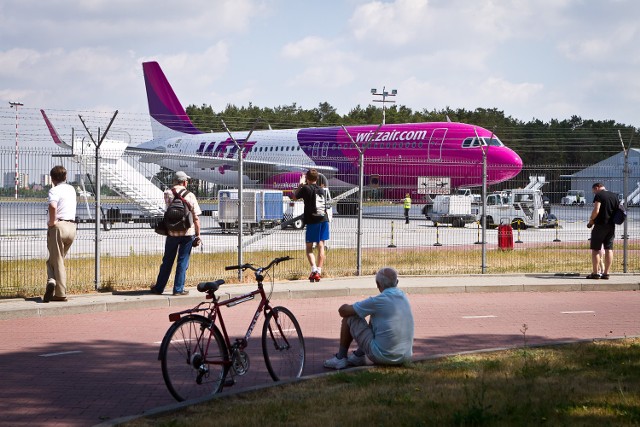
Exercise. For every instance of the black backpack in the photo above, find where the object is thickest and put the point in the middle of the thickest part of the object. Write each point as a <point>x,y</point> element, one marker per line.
<point>178,216</point>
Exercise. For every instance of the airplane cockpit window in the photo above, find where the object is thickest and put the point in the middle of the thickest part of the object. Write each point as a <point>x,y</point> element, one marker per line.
<point>467,142</point>
<point>494,141</point>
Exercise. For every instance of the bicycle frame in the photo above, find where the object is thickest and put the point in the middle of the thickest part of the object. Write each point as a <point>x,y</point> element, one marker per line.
<point>213,313</point>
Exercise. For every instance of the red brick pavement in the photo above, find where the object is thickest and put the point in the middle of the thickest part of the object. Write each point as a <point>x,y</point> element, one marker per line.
<point>108,364</point>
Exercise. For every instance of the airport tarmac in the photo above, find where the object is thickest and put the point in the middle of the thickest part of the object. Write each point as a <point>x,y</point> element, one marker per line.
<point>23,233</point>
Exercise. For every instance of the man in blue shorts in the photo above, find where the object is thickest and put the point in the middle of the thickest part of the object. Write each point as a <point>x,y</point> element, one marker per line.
<point>387,339</point>
<point>317,225</point>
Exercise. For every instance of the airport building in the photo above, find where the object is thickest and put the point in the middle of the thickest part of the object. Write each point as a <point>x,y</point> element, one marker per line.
<point>610,173</point>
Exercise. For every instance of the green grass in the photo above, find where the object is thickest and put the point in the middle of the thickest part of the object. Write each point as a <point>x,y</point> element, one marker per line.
<point>586,384</point>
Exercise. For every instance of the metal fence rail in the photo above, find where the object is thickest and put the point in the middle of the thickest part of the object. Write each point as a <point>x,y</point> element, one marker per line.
<point>130,251</point>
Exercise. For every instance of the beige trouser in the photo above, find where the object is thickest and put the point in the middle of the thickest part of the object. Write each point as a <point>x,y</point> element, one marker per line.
<point>59,240</point>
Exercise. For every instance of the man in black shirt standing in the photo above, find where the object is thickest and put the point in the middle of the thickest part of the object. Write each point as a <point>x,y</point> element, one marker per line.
<point>317,226</point>
<point>604,205</point>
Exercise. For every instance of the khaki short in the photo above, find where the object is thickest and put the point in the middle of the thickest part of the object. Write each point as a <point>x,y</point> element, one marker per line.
<point>362,333</point>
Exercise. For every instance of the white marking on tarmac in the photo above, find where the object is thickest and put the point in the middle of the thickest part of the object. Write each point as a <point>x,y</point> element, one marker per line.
<point>62,353</point>
<point>489,316</point>
<point>578,312</point>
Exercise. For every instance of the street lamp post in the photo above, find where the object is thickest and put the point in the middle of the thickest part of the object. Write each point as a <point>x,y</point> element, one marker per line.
<point>17,177</point>
<point>384,94</point>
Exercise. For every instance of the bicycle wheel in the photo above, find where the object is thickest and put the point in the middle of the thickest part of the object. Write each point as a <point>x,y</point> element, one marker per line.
<point>283,345</point>
<point>182,352</point>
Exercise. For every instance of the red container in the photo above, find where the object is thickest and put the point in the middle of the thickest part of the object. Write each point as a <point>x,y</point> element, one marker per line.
<point>505,237</point>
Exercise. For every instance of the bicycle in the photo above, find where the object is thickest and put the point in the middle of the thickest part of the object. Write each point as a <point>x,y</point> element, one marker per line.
<point>196,355</point>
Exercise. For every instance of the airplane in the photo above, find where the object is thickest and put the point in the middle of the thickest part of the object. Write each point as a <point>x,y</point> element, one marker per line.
<point>395,155</point>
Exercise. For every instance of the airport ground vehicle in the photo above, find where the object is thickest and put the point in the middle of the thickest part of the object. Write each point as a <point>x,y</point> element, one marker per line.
<point>521,208</point>
<point>573,197</point>
<point>197,356</point>
<point>262,209</point>
<point>451,209</point>
<point>293,210</point>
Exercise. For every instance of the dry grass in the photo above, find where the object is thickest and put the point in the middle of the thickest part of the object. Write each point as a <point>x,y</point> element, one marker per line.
<point>588,384</point>
<point>138,271</point>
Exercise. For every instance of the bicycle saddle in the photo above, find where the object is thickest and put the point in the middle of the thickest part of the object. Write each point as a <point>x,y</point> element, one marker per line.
<point>210,286</point>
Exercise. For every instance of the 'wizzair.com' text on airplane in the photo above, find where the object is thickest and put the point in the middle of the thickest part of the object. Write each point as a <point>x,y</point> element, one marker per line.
<point>398,157</point>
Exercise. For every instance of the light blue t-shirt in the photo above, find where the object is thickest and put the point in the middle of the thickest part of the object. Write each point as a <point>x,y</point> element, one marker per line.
<point>392,324</point>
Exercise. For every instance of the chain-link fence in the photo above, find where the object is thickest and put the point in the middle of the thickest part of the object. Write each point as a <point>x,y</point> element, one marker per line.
<point>549,234</point>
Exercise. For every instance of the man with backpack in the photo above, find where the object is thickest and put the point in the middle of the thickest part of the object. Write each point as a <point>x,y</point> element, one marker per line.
<point>605,203</point>
<point>316,219</point>
<point>183,232</point>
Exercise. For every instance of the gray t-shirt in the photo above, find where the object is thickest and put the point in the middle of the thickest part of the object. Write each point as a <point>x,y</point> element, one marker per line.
<point>392,324</point>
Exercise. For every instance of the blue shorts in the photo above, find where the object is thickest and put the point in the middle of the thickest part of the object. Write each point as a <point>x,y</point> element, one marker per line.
<point>317,232</point>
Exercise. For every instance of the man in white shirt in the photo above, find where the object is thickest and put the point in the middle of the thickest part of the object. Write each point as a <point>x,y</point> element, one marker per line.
<point>60,233</point>
<point>388,337</point>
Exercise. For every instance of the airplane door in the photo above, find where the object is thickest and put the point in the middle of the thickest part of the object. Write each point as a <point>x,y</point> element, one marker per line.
<point>435,143</point>
<point>325,149</point>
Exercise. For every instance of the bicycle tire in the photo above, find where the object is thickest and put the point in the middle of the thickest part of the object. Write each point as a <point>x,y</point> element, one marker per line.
<point>181,346</point>
<point>283,345</point>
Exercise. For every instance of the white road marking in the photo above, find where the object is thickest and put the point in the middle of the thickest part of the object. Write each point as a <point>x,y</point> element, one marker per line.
<point>479,317</point>
<point>62,353</point>
<point>578,312</point>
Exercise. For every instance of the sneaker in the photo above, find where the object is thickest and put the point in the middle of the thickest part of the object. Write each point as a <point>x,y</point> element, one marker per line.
<point>605,277</point>
<point>335,363</point>
<point>48,294</point>
<point>154,291</point>
<point>594,276</point>
<point>314,277</point>
<point>178,294</point>
<point>355,360</point>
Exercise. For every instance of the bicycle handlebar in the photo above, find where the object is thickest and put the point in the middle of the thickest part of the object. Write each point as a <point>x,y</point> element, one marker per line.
<point>275,261</point>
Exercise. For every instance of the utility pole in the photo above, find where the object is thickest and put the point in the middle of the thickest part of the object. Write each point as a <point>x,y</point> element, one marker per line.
<point>17,176</point>
<point>384,94</point>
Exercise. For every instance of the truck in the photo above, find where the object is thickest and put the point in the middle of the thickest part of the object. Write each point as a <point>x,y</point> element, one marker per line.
<point>451,209</point>
<point>262,209</point>
<point>521,208</point>
<point>573,197</point>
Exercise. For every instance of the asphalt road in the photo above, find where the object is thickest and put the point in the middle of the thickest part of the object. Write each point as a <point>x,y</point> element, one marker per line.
<point>87,368</point>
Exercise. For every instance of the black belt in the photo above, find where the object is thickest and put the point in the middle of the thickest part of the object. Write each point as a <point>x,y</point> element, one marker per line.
<point>68,220</point>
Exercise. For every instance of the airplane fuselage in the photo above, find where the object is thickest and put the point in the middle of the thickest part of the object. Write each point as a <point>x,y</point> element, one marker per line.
<point>395,155</point>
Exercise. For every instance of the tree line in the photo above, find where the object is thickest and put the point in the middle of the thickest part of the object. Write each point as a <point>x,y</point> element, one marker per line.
<point>573,141</point>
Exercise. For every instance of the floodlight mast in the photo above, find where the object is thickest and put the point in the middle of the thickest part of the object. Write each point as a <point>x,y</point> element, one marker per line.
<point>384,94</point>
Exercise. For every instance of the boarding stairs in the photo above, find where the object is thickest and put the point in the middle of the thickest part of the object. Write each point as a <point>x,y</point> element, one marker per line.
<point>634,198</point>
<point>122,177</point>
<point>536,183</point>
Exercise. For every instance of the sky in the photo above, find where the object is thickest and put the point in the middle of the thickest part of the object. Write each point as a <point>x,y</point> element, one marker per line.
<point>542,59</point>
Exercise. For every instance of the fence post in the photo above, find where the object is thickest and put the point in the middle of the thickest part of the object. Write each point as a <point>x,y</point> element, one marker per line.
<point>391,245</point>
<point>557,225</point>
<point>437,243</point>
<point>519,241</point>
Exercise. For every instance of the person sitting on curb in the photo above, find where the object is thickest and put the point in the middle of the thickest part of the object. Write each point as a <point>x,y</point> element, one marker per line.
<point>387,339</point>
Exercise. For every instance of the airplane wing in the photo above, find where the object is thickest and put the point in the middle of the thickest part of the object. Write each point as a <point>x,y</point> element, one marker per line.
<point>250,167</point>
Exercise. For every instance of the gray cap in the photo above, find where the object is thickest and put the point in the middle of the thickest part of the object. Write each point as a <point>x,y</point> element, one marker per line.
<point>180,176</point>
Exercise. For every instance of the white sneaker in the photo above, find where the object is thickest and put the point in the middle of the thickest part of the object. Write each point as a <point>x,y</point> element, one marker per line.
<point>335,363</point>
<point>354,360</point>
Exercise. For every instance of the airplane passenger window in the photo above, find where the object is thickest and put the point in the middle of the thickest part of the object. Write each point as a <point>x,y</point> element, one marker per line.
<point>420,145</point>
<point>270,148</point>
<point>413,145</point>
